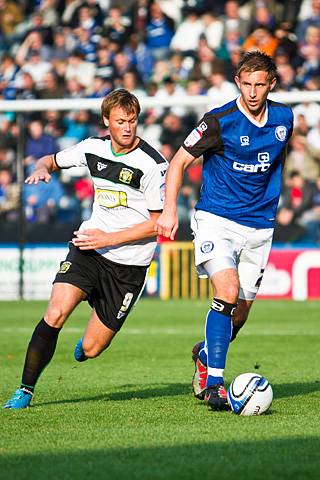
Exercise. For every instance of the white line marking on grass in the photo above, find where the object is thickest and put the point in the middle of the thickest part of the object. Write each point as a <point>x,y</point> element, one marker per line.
<point>166,331</point>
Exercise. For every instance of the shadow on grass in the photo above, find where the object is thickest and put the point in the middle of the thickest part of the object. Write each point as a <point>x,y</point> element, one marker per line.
<point>130,392</point>
<point>286,458</point>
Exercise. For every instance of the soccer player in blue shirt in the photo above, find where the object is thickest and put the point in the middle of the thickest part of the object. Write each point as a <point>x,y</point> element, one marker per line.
<point>243,144</point>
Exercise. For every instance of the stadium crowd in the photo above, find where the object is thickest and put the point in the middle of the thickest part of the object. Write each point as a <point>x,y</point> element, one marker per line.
<point>166,48</point>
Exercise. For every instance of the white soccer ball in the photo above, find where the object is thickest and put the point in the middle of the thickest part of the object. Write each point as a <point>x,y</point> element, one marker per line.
<point>250,394</point>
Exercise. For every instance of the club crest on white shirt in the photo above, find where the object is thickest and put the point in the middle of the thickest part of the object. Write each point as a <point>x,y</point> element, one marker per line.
<point>206,246</point>
<point>281,133</point>
<point>125,175</point>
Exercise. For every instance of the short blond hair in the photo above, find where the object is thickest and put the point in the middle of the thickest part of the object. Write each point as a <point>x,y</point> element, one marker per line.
<point>120,98</point>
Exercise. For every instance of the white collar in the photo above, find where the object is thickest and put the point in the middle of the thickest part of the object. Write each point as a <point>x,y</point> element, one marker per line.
<point>250,118</point>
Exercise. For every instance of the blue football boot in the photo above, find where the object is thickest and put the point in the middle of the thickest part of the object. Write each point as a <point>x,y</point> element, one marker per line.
<point>79,354</point>
<point>20,399</point>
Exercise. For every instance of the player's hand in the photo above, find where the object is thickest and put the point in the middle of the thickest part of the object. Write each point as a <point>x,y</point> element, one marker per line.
<point>92,239</point>
<point>167,224</point>
<point>39,175</point>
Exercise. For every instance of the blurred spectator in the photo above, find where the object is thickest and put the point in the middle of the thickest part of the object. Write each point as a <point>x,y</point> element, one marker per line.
<point>159,32</point>
<point>99,88</point>
<point>84,192</point>
<point>311,17</point>
<point>51,87</point>
<point>84,44</point>
<point>220,89</point>
<point>122,65</point>
<point>213,30</point>
<point>104,66</point>
<point>303,158</point>
<point>9,196</point>
<point>233,20</point>
<point>310,110</point>
<point>42,201</point>
<point>38,144</point>
<point>74,89</point>
<point>205,57</point>
<point>173,131</point>
<point>79,69</point>
<point>33,43</point>
<point>76,128</point>
<point>62,45</point>
<point>296,200</point>
<point>286,78</point>
<point>11,15</point>
<point>310,56</point>
<point>287,43</point>
<point>232,42</point>
<point>170,90</point>
<point>140,56</point>
<point>8,72</point>
<point>117,27</point>
<point>261,39</point>
<point>36,67</point>
<point>178,70</point>
<point>186,37</point>
<point>313,136</point>
<point>263,18</point>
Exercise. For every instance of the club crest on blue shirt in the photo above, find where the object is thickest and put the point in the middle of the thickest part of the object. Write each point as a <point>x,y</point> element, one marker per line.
<point>206,246</point>
<point>281,133</point>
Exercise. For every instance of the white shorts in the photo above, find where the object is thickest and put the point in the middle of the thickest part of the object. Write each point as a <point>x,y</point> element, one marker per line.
<point>231,245</point>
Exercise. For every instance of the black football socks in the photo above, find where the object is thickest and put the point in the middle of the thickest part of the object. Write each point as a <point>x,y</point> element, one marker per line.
<point>40,351</point>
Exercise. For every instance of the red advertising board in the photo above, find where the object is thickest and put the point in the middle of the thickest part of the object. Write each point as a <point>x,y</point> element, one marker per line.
<point>292,273</point>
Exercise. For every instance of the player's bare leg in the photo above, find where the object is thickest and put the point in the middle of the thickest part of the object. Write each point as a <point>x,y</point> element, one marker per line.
<point>41,348</point>
<point>240,316</point>
<point>96,339</point>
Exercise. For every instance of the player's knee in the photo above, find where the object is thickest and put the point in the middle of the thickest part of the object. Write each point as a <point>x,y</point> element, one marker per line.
<point>93,349</point>
<point>55,316</point>
<point>229,294</point>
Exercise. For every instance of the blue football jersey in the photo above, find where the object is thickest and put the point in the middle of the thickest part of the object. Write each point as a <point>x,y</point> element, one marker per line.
<point>242,162</point>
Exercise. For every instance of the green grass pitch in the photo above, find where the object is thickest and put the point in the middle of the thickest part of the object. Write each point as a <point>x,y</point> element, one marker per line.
<point>130,414</point>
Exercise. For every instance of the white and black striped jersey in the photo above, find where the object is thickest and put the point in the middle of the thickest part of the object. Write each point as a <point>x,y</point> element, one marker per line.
<point>127,187</point>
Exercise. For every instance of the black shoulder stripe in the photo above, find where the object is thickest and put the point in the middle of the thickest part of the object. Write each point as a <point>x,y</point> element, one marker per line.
<point>225,112</point>
<point>106,137</point>
<point>152,152</point>
<point>272,103</point>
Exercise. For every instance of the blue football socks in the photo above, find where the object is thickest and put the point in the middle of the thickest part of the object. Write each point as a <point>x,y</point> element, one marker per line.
<point>218,334</point>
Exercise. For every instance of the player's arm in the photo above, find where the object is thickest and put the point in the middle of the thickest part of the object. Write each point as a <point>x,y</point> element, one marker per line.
<point>43,169</point>
<point>167,223</point>
<point>94,238</point>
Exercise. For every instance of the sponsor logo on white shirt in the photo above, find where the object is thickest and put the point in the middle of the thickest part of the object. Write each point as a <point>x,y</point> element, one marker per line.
<point>101,166</point>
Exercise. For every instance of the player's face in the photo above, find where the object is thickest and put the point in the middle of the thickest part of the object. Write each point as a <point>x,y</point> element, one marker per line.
<point>254,88</point>
<point>122,128</point>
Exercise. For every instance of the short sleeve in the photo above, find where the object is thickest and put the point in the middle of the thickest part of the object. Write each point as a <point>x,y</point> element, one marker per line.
<point>154,186</point>
<point>205,136</point>
<point>72,157</point>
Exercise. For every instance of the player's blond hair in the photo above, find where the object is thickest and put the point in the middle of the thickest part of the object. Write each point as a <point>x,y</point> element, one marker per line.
<point>120,98</point>
<point>257,61</point>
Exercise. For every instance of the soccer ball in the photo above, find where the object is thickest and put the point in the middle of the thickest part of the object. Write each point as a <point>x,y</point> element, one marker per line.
<point>250,394</point>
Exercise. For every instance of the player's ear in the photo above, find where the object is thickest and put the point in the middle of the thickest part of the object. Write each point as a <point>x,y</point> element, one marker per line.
<point>273,83</point>
<point>237,80</point>
<point>105,121</point>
